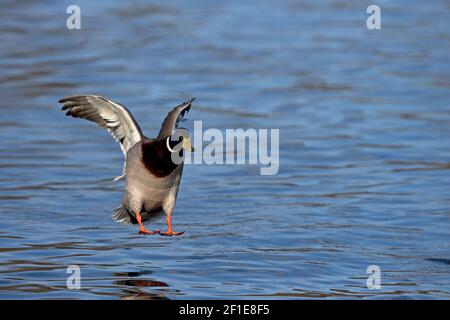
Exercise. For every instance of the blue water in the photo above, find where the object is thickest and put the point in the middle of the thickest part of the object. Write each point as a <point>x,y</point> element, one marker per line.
<point>364,120</point>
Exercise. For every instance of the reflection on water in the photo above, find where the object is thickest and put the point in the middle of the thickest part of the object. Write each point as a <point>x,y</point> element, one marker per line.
<point>131,286</point>
<point>364,124</point>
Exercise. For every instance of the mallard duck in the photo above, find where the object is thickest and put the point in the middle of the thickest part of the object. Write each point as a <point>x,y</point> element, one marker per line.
<point>152,177</point>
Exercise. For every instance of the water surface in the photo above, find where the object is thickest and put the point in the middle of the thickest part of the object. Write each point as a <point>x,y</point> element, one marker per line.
<point>364,119</point>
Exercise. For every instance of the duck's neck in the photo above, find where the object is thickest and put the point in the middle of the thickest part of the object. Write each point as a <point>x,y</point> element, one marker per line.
<point>157,158</point>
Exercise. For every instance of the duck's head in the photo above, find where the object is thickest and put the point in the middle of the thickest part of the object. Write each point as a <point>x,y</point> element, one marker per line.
<point>176,138</point>
<point>180,139</point>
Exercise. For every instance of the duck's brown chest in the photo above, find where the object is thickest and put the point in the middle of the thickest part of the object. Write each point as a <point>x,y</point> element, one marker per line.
<point>157,159</point>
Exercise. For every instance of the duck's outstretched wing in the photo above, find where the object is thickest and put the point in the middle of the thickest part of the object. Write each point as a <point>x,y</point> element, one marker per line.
<point>173,117</point>
<point>108,114</point>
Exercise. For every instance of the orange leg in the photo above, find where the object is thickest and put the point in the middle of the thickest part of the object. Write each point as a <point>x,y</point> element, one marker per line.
<point>170,231</point>
<point>142,230</point>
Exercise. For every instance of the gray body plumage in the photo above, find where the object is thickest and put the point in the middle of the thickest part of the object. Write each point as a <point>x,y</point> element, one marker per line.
<point>145,192</point>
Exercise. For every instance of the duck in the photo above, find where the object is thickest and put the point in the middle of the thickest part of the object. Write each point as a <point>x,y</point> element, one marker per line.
<point>153,167</point>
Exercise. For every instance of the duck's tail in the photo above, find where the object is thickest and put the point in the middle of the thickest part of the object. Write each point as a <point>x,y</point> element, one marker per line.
<point>122,215</point>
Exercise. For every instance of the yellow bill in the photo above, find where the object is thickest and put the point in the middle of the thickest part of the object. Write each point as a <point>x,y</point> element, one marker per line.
<point>187,144</point>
